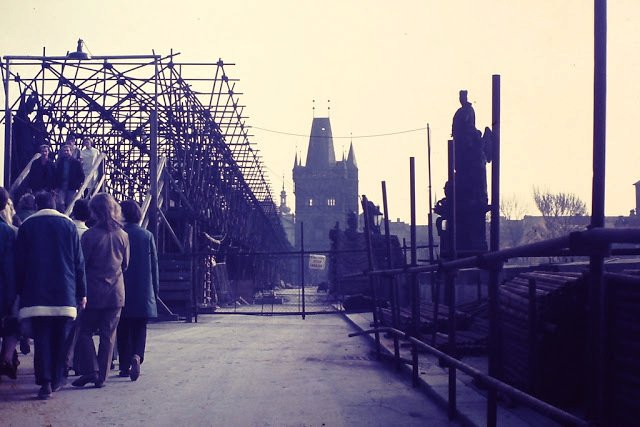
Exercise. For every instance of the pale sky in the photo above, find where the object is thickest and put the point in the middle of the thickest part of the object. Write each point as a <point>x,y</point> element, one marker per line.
<point>388,67</point>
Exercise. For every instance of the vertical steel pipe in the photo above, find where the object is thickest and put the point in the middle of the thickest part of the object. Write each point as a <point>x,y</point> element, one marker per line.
<point>392,278</point>
<point>533,332</point>
<point>432,275</point>
<point>450,280</point>
<point>415,287</point>
<point>494,245</point>
<point>597,300</point>
<point>599,113</point>
<point>8,146</point>
<point>495,164</point>
<point>451,303</point>
<point>302,267</point>
<point>153,159</point>
<point>371,265</point>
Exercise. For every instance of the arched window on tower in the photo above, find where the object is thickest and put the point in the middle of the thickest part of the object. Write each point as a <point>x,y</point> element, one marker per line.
<point>331,201</point>
<point>310,202</point>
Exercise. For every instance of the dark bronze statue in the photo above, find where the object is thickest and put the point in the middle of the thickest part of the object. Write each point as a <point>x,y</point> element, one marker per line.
<point>28,133</point>
<point>471,148</point>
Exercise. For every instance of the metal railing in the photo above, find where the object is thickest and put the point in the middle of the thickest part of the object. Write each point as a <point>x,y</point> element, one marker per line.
<point>581,243</point>
<point>541,406</point>
<point>144,221</point>
<point>23,175</point>
<point>88,179</point>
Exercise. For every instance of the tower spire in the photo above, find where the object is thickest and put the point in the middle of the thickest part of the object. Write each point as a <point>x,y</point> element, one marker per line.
<point>351,158</point>
<point>320,154</point>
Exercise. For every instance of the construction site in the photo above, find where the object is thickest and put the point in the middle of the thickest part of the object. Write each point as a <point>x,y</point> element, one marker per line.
<point>342,323</point>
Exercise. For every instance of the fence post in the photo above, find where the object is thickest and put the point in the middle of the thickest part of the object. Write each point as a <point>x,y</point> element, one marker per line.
<point>392,279</point>
<point>494,337</point>
<point>415,286</point>
<point>302,266</point>
<point>533,332</point>
<point>371,264</point>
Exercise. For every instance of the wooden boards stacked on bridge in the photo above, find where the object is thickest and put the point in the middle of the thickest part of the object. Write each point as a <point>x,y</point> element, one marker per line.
<point>544,354</point>
<point>427,317</point>
<point>471,332</point>
<point>176,289</point>
<point>623,330</point>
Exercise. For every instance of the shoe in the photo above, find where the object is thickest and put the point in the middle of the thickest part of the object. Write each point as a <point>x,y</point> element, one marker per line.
<point>15,360</point>
<point>84,380</point>
<point>25,347</point>
<point>45,391</point>
<point>99,384</point>
<point>9,369</point>
<point>57,386</point>
<point>135,367</point>
<point>123,373</point>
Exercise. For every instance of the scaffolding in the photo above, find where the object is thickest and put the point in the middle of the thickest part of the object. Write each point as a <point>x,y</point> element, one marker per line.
<point>140,109</point>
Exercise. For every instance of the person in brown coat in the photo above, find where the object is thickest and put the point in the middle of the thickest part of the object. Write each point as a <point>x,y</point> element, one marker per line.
<point>106,251</point>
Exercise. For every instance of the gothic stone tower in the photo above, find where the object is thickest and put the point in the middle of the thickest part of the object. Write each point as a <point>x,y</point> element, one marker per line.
<point>326,191</point>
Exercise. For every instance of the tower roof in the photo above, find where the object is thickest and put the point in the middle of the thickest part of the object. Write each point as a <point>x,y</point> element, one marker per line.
<point>320,154</point>
<point>351,158</point>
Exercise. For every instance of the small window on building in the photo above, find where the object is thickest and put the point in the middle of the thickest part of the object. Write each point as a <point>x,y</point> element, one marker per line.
<point>310,202</point>
<point>331,202</point>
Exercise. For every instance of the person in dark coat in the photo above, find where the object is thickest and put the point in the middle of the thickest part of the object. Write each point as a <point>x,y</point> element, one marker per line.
<point>41,173</point>
<point>106,250</point>
<point>51,285</point>
<point>141,287</point>
<point>68,177</point>
<point>8,322</point>
<point>79,215</point>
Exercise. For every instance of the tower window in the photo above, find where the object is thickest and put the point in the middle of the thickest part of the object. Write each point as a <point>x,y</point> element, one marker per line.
<point>310,202</point>
<point>331,201</point>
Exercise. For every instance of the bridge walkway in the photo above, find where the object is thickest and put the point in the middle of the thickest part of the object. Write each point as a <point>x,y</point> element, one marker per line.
<point>237,371</point>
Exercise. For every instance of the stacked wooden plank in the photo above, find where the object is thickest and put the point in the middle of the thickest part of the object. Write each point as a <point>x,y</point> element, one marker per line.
<point>175,284</point>
<point>624,348</point>
<point>427,318</point>
<point>544,354</point>
<point>472,327</point>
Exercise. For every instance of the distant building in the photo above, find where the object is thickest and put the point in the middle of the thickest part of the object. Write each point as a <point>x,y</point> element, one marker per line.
<point>403,231</point>
<point>326,190</point>
<point>287,218</point>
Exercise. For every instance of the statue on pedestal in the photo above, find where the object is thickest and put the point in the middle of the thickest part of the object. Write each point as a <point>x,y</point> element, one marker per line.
<point>471,149</point>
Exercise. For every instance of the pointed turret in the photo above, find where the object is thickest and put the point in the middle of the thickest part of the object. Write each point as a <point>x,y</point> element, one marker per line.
<point>351,158</point>
<point>320,154</point>
<point>295,161</point>
<point>283,201</point>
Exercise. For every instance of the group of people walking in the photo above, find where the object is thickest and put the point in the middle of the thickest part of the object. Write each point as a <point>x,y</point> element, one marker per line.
<point>64,176</point>
<point>62,280</point>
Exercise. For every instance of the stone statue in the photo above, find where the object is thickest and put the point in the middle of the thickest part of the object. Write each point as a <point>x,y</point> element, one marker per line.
<point>471,148</point>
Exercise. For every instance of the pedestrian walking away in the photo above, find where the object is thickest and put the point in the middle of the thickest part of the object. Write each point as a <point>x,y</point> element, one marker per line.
<point>51,286</point>
<point>106,250</point>
<point>141,292</point>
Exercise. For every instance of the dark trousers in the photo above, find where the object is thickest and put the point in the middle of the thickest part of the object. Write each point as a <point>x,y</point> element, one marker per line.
<point>71,358</point>
<point>105,321</point>
<point>132,338</point>
<point>49,336</point>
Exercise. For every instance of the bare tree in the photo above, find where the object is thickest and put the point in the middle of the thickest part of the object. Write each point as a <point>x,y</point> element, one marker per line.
<point>510,208</point>
<point>562,212</point>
